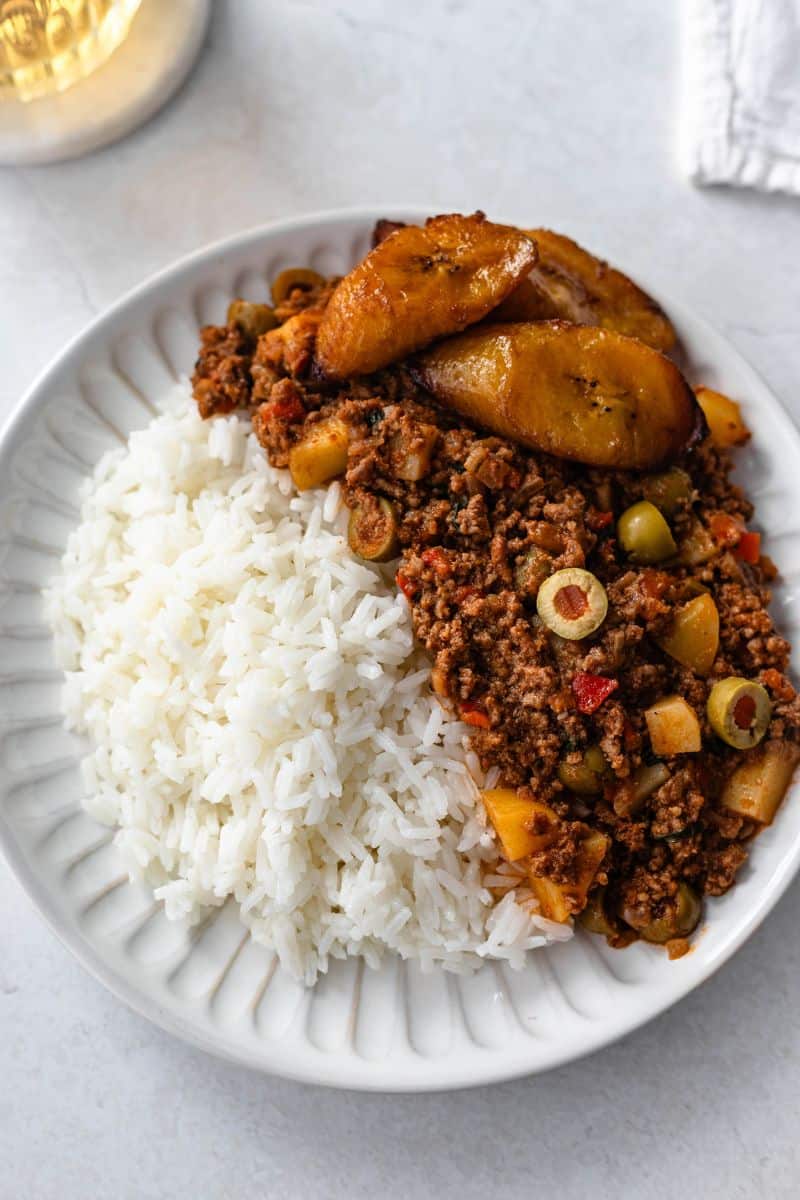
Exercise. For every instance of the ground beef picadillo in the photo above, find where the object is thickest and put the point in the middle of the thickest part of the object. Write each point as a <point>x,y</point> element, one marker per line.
<point>479,506</point>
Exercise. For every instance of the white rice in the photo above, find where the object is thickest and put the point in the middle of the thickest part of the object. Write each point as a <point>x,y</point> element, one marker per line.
<point>262,727</point>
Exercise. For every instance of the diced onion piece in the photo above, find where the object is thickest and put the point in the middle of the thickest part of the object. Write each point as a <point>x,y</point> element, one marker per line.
<point>412,452</point>
<point>629,795</point>
<point>648,778</point>
<point>698,546</point>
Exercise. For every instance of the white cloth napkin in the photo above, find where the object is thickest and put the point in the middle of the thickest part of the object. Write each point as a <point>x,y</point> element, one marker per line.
<point>742,115</point>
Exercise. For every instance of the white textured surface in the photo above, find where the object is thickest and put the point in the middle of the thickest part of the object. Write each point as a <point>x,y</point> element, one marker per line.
<point>531,104</point>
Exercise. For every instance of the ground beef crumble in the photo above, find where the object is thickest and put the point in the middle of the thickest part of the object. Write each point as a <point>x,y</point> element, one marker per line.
<point>466,522</point>
<point>222,380</point>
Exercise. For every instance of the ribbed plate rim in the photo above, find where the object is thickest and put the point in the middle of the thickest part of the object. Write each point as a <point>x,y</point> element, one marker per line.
<point>339,1070</point>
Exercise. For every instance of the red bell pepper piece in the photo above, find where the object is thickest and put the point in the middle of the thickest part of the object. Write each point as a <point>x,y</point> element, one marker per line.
<point>725,530</point>
<point>464,592</point>
<point>749,548</point>
<point>407,586</point>
<point>474,714</point>
<point>730,532</point>
<point>438,560</point>
<point>654,583</point>
<point>596,519</point>
<point>591,690</point>
<point>778,684</point>
<point>284,410</point>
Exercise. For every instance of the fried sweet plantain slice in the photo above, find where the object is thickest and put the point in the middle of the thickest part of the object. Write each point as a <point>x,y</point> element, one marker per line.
<point>419,284</point>
<point>576,392</point>
<point>570,283</point>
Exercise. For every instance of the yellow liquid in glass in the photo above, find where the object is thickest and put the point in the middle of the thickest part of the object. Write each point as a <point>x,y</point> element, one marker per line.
<point>47,45</point>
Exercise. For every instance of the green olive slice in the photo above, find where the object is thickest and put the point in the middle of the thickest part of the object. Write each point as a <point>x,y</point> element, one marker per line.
<point>294,277</point>
<point>739,711</point>
<point>572,603</point>
<point>372,530</point>
<point>668,490</point>
<point>252,319</point>
<point>594,916</point>
<point>644,534</point>
<point>584,777</point>
<point>679,919</point>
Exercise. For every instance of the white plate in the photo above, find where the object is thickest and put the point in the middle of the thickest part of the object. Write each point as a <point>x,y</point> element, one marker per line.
<point>392,1029</point>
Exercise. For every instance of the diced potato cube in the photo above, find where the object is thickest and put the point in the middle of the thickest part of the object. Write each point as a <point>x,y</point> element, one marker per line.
<point>756,788</point>
<point>673,727</point>
<point>693,638</point>
<point>559,901</point>
<point>321,455</point>
<point>593,852</point>
<point>511,815</point>
<point>554,902</point>
<point>724,417</point>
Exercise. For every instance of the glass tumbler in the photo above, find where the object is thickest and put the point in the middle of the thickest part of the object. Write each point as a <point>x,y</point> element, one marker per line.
<point>48,45</point>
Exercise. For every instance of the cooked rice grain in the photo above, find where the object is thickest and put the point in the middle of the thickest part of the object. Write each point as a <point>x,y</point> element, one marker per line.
<point>263,728</point>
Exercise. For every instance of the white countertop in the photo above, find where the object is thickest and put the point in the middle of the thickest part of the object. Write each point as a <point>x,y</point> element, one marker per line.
<point>562,114</point>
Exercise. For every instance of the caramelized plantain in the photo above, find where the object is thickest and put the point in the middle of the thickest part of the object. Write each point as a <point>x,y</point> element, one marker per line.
<point>383,228</point>
<point>573,391</point>
<point>568,282</point>
<point>417,285</point>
